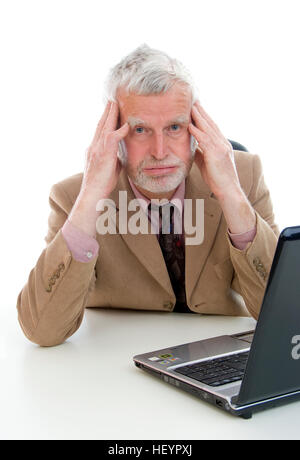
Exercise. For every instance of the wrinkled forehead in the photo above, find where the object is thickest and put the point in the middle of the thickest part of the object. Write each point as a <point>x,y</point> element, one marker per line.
<point>172,106</point>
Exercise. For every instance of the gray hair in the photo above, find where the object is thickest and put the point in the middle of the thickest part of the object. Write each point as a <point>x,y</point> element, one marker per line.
<point>147,71</point>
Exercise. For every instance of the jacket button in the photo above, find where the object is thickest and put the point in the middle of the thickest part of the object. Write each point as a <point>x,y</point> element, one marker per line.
<point>263,274</point>
<point>256,261</point>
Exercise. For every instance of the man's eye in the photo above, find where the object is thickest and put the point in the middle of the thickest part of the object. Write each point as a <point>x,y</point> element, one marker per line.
<point>175,128</point>
<point>139,129</point>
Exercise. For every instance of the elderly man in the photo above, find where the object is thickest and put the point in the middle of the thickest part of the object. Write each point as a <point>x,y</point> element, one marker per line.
<point>154,141</point>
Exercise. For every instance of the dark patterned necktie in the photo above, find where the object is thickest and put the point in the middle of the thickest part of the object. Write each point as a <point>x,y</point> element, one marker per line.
<point>174,254</point>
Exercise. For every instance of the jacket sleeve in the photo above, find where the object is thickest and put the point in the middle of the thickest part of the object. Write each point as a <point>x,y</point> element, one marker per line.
<point>252,265</point>
<point>51,304</point>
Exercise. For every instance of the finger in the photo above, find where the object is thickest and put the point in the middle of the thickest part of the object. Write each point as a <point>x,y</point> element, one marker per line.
<point>112,138</point>
<point>101,122</point>
<point>122,132</point>
<point>207,117</point>
<point>112,118</point>
<point>202,124</point>
<point>202,137</point>
<point>218,134</point>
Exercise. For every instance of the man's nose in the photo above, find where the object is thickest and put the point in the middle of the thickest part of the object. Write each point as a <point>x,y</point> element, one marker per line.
<point>159,147</point>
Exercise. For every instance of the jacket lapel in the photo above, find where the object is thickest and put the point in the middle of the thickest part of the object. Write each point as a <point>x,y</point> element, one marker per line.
<point>196,255</point>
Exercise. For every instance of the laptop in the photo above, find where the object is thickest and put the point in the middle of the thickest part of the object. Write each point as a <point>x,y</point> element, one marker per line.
<point>252,370</point>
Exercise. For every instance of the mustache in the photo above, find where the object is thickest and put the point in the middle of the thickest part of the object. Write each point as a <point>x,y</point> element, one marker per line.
<point>160,164</point>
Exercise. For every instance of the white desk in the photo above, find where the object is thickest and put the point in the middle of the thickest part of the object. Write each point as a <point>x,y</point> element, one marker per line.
<point>89,388</point>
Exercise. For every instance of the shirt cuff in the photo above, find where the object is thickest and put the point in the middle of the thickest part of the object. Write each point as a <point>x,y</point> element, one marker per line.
<point>83,247</point>
<point>240,240</point>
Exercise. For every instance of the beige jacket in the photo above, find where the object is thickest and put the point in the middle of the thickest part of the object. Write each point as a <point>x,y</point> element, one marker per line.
<point>130,272</point>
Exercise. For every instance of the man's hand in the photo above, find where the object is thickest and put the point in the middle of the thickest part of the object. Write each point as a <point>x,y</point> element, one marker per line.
<point>215,159</point>
<point>216,162</point>
<point>102,169</point>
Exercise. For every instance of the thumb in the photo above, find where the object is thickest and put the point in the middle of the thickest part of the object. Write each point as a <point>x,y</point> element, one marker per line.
<point>199,160</point>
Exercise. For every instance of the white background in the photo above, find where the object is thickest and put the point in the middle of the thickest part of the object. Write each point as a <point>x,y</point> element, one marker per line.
<point>55,55</point>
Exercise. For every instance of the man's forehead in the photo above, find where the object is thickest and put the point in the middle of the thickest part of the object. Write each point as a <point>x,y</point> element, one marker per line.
<point>174,105</point>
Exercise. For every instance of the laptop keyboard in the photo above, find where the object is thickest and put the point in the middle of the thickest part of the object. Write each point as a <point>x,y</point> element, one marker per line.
<point>218,371</point>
